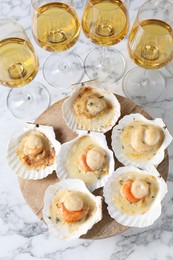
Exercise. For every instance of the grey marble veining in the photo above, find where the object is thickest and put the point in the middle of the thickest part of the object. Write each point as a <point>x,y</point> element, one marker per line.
<point>22,235</point>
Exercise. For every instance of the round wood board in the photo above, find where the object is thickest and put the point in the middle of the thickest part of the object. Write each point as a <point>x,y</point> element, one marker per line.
<point>33,190</point>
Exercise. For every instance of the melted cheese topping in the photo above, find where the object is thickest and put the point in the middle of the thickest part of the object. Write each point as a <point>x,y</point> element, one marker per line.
<point>35,151</point>
<point>148,191</point>
<point>141,141</point>
<point>94,106</point>
<point>99,164</point>
<point>93,110</point>
<point>83,201</point>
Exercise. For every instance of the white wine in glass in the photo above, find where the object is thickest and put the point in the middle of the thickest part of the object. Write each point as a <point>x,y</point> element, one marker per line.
<point>105,23</point>
<point>18,67</point>
<point>150,46</point>
<point>56,28</point>
<point>154,48</point>
<point>18,64</point>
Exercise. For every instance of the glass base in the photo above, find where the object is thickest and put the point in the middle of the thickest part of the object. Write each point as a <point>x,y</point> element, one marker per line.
<point>63,71</point>
<point>104,64</point>
<point>28,102</point>
<point>169,68</point>
<point>143,86</point>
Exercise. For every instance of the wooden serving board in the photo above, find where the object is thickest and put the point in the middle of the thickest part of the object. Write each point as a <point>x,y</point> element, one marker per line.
<point>33,190</point>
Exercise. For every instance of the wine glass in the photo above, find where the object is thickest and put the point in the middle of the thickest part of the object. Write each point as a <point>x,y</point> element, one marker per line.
<point>18,67</point>
<point>150,46</point>
<point>105,23</point>
<point>56,28</point>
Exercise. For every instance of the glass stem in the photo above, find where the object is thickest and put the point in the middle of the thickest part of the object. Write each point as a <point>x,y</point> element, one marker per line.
<point>144,81</point>
<point>104,56</point>
<point>62,64</point>
<point>25,93</point>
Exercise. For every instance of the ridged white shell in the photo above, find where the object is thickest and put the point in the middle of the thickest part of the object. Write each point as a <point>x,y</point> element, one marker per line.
<point>117,147</point>
<point>62,231</point>
<point>100,139</point>
<point>138,220</point>
<point>15,163</point>
<point>70,117</point>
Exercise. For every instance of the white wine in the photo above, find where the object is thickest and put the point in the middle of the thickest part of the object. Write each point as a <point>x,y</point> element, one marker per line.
<point>151,43</point>
<point>105,22</point>
<point>56,27</point>
<point>18,62</point>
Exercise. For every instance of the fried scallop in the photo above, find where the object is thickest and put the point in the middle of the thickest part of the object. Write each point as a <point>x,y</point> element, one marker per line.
<point>36,151</point>
<point>134,196</point>
<point>32,154</point>
<point>90,108</point>
<point>70,210</point>
<point>90,104</point>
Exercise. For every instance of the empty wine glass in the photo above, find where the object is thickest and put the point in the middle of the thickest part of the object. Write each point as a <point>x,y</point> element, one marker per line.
<point>105,23</point>
<point>150,46</point>
<point>56,28</point>
<point>18,67</point>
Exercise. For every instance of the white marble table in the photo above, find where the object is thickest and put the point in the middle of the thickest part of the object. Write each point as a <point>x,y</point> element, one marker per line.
<point>22,235</point>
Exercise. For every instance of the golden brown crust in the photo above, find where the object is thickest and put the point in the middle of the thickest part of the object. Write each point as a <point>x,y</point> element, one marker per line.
<point>85,99</point>
<point>36,161</point>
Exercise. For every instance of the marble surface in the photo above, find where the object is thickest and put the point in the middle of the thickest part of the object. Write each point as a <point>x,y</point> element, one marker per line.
<point>22,235</point>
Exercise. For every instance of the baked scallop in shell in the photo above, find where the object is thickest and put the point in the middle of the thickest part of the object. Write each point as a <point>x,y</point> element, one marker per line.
<point>134,196</point>
<point>70,209</point>
<point>140,142</point>
<point>32,154</point>
<point>87,157</point>
<point>91,108</point>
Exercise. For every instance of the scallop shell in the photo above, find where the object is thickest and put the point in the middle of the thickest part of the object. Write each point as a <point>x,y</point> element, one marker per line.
<point>118,149</point>
<point>93,124</point>
<point>100,139</point>
<point>15,163</point>
<point>140,220</point>
<point>63,231</point>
